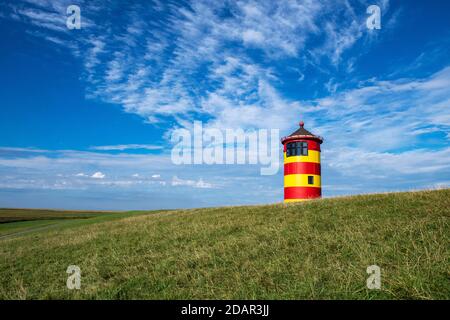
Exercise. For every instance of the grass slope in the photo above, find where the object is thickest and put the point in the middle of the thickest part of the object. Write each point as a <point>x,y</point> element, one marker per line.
<point>314,250</point>
<point>34,220</point>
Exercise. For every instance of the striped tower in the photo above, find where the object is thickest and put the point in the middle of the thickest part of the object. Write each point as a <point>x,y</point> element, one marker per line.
<point>301,152</point>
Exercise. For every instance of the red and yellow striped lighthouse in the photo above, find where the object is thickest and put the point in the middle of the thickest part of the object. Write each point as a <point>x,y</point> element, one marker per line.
<point>301,165</point>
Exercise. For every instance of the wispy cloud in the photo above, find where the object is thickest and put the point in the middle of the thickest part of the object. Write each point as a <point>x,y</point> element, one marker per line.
<point>121,147</point>
<point>191,183</point>
<point>97,173</point>
<point>386,115</point>
<point>197,60</point>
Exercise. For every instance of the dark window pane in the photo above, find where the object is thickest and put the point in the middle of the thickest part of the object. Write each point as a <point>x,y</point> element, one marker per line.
<point>305,151</point>
<point>310,179</point>
<point>305,148</point>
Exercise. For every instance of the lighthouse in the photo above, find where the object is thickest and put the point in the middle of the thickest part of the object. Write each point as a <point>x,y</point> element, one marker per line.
<point>302,175</point>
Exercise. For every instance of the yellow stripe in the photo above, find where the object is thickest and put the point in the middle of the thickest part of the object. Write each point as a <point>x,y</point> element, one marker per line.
<point>313,156</point>
<point>301,180</point>
<point>294,200</point>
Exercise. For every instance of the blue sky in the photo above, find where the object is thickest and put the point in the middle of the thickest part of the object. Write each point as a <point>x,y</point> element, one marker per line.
<point>86,115</point>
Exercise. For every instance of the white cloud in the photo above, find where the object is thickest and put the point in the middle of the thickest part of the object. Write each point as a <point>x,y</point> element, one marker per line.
<point>356,162</point>
<point>252,36</point>
<point>98,175</point>
<point>156,176</point>
<point>339,38</point>
<point>121,147</point>
<point>191,183</point>
<point>384,115</point>
<point>24,150</point>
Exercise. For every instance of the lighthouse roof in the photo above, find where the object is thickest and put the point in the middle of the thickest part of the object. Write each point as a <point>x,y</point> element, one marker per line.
<point>302,133</point>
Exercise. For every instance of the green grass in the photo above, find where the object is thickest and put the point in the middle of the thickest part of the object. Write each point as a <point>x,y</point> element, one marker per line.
<point>28,221</point>
<point>14,215</point>
<point>312,250</point>
<point>12,228</point>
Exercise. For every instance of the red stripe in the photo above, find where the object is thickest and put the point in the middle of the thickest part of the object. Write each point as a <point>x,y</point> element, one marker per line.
<point>301,168</point>
<point>302,192</point>
<point>312,145</point>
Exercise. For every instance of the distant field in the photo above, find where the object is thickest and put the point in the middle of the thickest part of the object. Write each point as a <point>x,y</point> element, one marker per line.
<point>19,221</point>
<point>16,222</point>
<point>312,250</point>
<point>12,215</point>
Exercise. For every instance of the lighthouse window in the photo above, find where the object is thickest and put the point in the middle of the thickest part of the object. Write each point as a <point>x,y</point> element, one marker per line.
<point>304,147</point>
<point>310,179</point>
<point>299,148</point>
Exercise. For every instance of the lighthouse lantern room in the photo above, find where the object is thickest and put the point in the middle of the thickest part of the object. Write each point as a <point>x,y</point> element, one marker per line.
<point>302,171</point>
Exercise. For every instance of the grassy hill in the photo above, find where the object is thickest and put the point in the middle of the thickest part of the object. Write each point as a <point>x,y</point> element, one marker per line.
<point>312,250</point>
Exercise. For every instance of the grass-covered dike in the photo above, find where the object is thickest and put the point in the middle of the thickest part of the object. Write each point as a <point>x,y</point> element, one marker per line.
<point>311,250</point>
